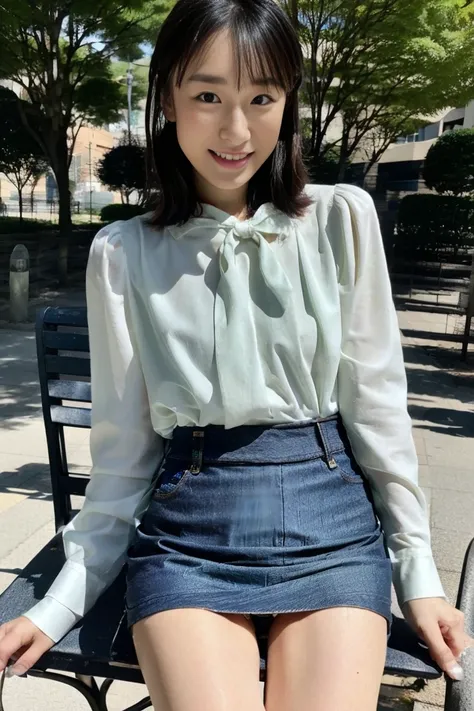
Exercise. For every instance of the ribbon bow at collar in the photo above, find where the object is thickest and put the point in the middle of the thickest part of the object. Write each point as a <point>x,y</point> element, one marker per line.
<point>266,221</point>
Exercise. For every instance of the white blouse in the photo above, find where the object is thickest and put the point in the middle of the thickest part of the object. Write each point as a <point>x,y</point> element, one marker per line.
<point>219,321</point>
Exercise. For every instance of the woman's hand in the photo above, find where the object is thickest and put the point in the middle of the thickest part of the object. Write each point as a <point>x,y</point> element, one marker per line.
<point>441,627</point>
<point>23,643</point>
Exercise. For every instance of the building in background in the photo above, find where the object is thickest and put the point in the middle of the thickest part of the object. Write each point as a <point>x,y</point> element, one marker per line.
<point>91,145</point>
<point>399,169</point>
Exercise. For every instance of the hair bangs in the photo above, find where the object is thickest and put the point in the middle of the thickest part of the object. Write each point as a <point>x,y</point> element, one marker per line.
<point>257,55</point>
<point>257,50</point>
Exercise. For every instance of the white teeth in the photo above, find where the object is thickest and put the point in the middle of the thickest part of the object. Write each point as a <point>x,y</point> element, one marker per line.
<point>230,157</point>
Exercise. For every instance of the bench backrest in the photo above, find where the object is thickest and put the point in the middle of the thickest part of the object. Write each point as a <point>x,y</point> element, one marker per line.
<point>62,343</point>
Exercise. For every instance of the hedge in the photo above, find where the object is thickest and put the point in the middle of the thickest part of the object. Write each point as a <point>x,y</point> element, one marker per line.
<point>431,224</point>
<point>117,211</point>
<point>13,225</point>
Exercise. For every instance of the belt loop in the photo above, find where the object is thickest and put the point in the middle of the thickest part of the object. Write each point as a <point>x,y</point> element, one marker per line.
<point>198,451</point>
<point>330,461</point>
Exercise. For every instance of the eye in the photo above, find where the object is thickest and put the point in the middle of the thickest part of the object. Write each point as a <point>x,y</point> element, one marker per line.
<point>206,94</point>
<point>264,96</point>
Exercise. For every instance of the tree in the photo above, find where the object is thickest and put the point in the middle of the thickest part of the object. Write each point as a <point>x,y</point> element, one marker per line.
<point>59,52</point>
<point>449,165</point>
<point>123,168</point>
<point>21,158</point>
<point>379,66</point>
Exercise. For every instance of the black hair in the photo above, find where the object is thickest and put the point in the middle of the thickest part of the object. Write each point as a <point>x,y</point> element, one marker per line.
<point>266,44</point>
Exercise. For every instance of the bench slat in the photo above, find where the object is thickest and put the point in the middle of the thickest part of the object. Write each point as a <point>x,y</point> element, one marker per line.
<point>65,316</point>
<point>76,390</point>
<point>71,416</point>
<point>63,341</point>
<point>66,365</point>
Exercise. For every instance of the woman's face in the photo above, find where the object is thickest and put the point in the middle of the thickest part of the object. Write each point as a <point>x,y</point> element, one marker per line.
<point>213,117</point>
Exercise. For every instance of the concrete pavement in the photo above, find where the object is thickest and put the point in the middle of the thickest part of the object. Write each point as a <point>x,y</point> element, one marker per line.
<point>441,404</point>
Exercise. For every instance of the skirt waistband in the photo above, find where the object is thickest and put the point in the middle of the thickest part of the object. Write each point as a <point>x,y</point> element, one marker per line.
<point>259,444</point>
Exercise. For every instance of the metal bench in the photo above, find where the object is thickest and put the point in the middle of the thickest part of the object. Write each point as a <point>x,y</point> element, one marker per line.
<point>100,645</point>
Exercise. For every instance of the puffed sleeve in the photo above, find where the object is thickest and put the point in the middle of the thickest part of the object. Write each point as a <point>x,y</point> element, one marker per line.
<point>372,393</point>
<point>125,449</point>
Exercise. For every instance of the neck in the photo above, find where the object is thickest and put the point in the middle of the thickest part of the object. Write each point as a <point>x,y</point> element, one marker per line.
<point>234,202</point>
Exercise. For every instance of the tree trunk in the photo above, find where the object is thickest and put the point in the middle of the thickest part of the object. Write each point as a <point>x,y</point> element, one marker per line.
<point>294,13</point>
<point>20,203</point>
<point>343,164</point>
<point>344,157</point>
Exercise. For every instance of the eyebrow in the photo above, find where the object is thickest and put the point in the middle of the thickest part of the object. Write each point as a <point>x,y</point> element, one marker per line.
<point>214,79</point>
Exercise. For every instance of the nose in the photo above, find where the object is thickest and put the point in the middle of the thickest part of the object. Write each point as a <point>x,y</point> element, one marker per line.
<point>235,127</point>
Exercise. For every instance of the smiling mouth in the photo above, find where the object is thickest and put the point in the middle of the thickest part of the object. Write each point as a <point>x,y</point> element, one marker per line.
<point>232,156</point>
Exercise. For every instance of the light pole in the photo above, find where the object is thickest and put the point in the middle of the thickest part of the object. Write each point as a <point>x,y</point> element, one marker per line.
<point>90,182</point>
<point>129,96</point>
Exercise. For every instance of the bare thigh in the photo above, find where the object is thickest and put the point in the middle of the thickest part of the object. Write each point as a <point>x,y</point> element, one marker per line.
<point>197,660</point>
<point>329,660</point>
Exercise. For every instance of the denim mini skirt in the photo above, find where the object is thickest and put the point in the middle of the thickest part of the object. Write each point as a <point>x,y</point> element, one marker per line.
<point>259,520</point>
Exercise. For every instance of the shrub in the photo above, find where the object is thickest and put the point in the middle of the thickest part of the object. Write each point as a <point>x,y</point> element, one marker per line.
<point>123,168</point>
<point>432,224</point>
<point>449,165</point>
<point>13,225</point>
<point>110,213</point>
<point>322,169</point>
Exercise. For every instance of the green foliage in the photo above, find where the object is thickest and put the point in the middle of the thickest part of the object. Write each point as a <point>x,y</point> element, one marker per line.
<point>123,168</point>
<point>429,225</point>
<point>59,53</point>
<point>99,100</point>
<point>323,169</point>
<point>13,225</point>
<point>379,66</point>
<point>110,213</point>
<point>449,165</point>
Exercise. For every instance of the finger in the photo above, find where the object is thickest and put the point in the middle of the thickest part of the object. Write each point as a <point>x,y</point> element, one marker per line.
<point>29,658</point>
<point>455,637</point>
<point>10,644</point>
<point>441,653</point>
<point>16,655</point>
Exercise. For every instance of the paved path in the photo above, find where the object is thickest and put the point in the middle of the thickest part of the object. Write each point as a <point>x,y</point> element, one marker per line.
<point>441,403</point>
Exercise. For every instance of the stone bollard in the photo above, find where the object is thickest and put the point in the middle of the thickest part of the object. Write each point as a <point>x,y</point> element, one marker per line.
<point>19,283</point>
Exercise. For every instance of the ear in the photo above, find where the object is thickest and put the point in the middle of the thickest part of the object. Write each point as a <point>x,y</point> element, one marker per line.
<point>168,108</point>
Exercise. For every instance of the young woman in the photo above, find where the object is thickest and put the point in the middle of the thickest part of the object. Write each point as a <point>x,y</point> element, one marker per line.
<point>252,451</point>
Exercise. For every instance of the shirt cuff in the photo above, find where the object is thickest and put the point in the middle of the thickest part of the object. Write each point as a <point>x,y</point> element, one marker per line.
<point>416,577</point>
<point>52,618</point>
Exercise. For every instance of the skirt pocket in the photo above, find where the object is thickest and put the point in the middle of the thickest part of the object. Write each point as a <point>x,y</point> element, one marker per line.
<point>171,479</point>
<point>348,468</point>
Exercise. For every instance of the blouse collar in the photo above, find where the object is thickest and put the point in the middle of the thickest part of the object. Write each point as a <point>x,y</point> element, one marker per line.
<point>267,220</point>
